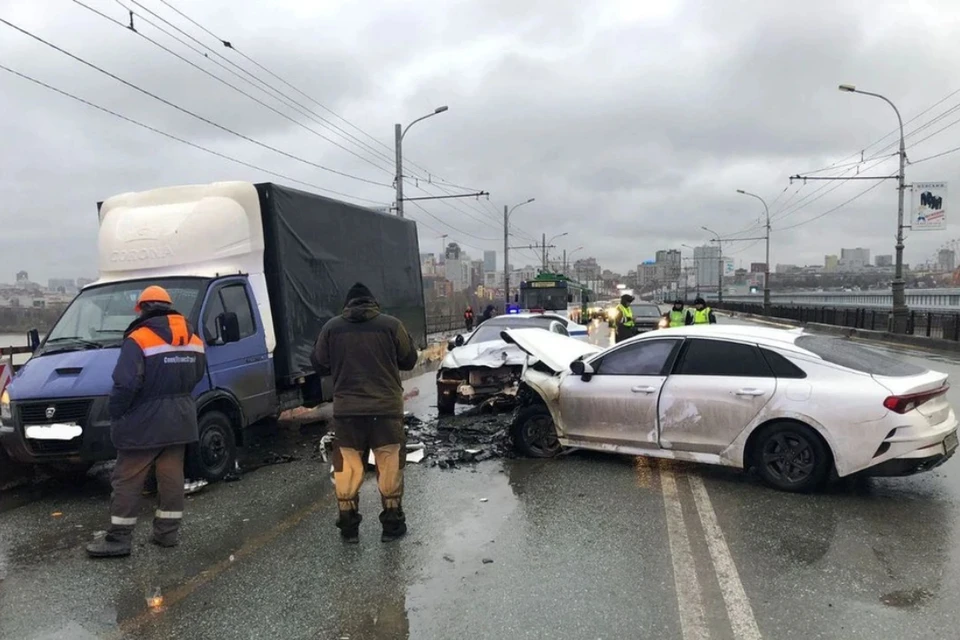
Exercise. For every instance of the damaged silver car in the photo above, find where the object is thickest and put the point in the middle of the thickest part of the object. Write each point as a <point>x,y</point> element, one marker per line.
<point>482,368</point>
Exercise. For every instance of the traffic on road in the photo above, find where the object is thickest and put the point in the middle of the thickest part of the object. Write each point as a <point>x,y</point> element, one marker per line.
<point>618,543</point>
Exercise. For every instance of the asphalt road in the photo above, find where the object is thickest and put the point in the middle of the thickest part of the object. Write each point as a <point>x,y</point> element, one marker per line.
<point>584,546</point>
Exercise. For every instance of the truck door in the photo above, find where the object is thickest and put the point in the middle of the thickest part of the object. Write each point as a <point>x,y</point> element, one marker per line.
<point>242,367</point>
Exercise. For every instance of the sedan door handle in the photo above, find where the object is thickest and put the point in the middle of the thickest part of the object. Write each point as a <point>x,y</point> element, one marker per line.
<point>643,389</point>
<point>750,392</point>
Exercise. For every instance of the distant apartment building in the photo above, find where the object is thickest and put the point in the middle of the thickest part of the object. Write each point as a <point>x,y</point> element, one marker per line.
<point>82,282</point>
<point>831,264</point>
<point>669,265</point>
<point>489,261</point>
<point>854,259</point>
<point>758,267</point>
<point>707,264</point>
<point>787,268</point>
<point>63,285</point>
<point>947,260</point>
<point>647,275</point>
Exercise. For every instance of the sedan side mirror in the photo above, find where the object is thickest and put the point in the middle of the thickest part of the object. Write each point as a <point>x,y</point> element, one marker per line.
<point>582,369</point>
<point>229,326</point>
<point>458,341</point>
<point>33,340</point>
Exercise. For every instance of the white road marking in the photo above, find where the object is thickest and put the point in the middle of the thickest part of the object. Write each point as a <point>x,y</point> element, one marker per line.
<point>739,610</point>
<point>689,599</point>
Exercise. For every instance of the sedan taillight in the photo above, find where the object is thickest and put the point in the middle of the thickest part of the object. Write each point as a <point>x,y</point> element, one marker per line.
<point>909,402</point>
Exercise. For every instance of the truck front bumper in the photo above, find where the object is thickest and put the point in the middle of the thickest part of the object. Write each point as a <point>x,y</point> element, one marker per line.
<point>92,445</point>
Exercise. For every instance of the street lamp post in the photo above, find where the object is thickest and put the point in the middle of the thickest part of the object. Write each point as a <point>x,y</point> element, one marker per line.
<point>766,265</point>
<point>696,265</point>
<point>898,287</point>
<point>506,251</point>
<point>546,252</point>
<point>565,257</point>
<point>719,265</point>
<point>399,131</point>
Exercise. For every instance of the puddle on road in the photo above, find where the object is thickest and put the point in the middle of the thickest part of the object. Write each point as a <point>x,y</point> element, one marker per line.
<point>907,598</point>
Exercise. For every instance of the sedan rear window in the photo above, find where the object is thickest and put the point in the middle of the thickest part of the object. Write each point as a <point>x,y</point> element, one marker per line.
<point>851,355</point>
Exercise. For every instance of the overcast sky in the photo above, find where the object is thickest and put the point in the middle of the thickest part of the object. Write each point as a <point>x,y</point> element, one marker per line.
<point>632,125</point>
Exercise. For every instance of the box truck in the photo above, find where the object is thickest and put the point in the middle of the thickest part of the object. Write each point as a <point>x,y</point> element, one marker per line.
<point>256,268</point>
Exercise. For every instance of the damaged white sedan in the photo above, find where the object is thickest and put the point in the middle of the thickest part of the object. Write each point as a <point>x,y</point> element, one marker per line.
<point>799,408</point>
<point>482,367</point>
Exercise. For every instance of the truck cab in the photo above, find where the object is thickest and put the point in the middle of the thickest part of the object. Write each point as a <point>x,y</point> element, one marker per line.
<point>56,407</point>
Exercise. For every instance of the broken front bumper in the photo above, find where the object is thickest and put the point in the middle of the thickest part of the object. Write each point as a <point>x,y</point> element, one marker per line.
<point>477,386</point>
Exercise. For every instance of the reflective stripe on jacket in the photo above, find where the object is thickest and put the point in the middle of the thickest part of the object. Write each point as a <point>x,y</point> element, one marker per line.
<point>151,404</point>
<point>702,316</point>
<point>678,318</point>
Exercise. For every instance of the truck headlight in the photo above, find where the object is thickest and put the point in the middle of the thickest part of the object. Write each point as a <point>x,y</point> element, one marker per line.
<point>5,412</point>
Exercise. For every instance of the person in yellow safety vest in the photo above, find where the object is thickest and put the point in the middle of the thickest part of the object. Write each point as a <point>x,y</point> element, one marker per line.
<point>624,325</point>
<point>677,317</point>
<point>702,314</point>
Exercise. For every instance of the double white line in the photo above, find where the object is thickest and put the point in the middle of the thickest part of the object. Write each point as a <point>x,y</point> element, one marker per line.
<point>689,593</point>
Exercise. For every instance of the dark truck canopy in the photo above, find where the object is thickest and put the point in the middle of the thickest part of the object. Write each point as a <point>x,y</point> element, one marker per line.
<point>315,249</point>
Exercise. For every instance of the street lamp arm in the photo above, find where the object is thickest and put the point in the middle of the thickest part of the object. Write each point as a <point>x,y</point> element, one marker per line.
<point>438,110</point>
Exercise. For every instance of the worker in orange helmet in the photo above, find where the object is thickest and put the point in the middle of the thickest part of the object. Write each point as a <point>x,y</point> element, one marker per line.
<point>153,416</point>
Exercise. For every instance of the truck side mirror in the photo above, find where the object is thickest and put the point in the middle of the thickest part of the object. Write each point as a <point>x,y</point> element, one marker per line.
<point>33,339</point>
<point>229,326</point>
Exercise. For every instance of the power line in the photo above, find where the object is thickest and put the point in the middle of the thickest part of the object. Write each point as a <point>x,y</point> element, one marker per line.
<point>829,211</point>
<point>179,139</point>
<point>229,45</point>
<point>179,108</point>
<point>447,224</point>
<point>224,82</point>
<point>938,155</point>
<point>285,99</point>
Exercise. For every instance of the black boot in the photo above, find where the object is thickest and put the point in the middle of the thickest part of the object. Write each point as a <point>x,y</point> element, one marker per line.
<point>349,525</point>
<point>394,524</point>
<point>110,546</point>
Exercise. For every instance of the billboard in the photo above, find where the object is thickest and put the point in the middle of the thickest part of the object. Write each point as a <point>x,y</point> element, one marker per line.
<point>729,267</point>
<point>929,206</point>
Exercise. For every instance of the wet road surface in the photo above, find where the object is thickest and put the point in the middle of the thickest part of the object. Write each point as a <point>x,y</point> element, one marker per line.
<point>583,546</point>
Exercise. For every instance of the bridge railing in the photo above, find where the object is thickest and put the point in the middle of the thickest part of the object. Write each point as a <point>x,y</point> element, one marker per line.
<point>932,324</point>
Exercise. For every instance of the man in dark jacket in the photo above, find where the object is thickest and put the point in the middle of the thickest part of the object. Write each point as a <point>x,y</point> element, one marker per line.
<point>364,351</point>
<point>488,313</point>
<point>153,416</point>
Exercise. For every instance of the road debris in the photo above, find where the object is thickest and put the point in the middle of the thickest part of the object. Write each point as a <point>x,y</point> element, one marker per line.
<point>488,561</point>
<point>448,557</point>
<point>191,487</point>
<point>56,514</point>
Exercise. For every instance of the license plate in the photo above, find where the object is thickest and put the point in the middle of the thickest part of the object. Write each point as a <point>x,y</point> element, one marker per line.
<point>950,442</point>
<point>65,431</point>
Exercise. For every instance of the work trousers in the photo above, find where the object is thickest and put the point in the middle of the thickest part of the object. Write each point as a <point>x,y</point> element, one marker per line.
<point>130,474</point>
<point>353,437</point>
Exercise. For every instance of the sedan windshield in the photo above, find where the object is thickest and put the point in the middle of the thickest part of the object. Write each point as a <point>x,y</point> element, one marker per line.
<point>645,311</point>
<point>99,316</point>
<point>490,330</point>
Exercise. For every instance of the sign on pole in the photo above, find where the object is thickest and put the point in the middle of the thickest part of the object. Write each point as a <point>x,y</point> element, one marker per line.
<point>729,267</point>
<point>929,206</point>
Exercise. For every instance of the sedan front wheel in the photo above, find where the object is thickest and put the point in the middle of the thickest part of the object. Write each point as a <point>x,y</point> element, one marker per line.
<point>534,433</point>
<point>792,457</point>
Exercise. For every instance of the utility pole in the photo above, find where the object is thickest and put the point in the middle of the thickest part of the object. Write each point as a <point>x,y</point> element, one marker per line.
<point>766,266</point>
<point>506,251</point>
<point>543,254</point>
<point>564,262</point>
<point>898,286</point>
<point>719,265</point>
<point>398,132</point>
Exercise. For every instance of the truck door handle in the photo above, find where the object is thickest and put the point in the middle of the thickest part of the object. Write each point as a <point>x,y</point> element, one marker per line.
<point>750,392</point>
<point>643,389</point>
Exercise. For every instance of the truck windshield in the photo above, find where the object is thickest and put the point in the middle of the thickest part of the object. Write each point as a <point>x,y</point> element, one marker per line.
<point>547,298</point>
<point>99,316</point>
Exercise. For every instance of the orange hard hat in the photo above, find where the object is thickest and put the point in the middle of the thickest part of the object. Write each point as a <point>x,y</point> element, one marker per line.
<point>153,293</point>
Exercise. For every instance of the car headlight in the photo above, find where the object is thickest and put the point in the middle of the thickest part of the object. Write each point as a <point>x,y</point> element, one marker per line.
<point>5,412</point>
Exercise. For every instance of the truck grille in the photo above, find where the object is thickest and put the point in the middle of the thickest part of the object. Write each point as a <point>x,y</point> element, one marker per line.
<point>32,413</point>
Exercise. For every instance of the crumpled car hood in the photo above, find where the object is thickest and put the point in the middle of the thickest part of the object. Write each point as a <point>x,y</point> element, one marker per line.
<point>552,349</point>
<point>493,354</point>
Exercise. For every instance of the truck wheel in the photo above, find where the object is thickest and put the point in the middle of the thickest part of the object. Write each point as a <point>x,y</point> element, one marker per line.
<point>534,433</point>
<point>446,402</point>
<point>215,454</point>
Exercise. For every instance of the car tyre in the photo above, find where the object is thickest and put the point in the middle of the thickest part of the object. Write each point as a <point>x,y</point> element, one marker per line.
<point>792,457</point>
<point>534,433</point>
<point>214,455</point>
<point>446,402</point>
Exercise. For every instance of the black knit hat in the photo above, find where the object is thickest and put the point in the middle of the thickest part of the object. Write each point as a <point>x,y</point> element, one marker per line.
<point>358,290</point>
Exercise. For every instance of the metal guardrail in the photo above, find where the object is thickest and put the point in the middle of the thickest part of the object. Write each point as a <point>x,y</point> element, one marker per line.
<point>444,324</point>
<point>932,324</point>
